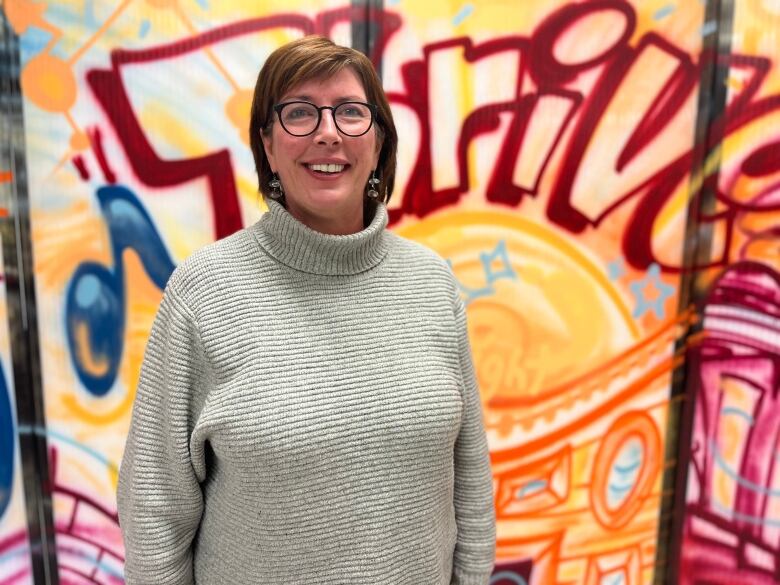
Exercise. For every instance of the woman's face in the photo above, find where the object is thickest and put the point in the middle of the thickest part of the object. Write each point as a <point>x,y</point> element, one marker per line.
<point>329,202</point>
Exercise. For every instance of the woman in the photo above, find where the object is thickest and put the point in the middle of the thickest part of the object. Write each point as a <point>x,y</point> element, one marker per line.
<point>307,409</point>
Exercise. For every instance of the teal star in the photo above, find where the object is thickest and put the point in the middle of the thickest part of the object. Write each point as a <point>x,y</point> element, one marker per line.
<point>638,287</point>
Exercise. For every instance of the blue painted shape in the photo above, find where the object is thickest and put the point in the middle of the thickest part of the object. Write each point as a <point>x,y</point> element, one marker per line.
<point>50,434</point>
<point>100,324</point>
<point>89,14</point>
<point>624,473</point>
<point>498,253</point>
<point>616,269</point>
<point>469,294</point>
<point>733,474</point>
<point>95,302</point>
<point>643,305</point>
<point>14,554</point>
<point>626,469</point>
<point>530,488</point>
<point>708,28</point>
<point>131,228</point>
<point>32,42</point>
<point>143,30</point>
<point>203,4</point>
<point>462,14</point>
<point>619,491</point>
<point>664,11</point>
<point>619,579</point>
<point>7,444</point>
<point>473,294</point>
<point>95,562</point>
<point>745,518</point>
<point>738,412</point>
<point>505,272</point>
<point>88,291</point>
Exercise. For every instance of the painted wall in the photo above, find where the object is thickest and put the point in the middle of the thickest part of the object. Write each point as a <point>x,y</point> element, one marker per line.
<point>732,516</point>
<point>546,150</point>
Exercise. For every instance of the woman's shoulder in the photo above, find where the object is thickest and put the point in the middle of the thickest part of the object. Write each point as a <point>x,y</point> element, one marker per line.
<point>212,266</point>
<point>418,259</point>
<point>406,249</point>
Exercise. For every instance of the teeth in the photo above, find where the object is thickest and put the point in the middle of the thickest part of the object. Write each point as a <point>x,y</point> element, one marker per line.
<point>327,168</point>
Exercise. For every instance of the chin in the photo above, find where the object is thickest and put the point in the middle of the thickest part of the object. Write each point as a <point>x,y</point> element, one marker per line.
<point>328,200</point>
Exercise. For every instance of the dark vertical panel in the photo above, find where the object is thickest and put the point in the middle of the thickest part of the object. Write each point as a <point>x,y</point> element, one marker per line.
<point>366,30</point>
<point>22,321</point>
<point>716,47</point>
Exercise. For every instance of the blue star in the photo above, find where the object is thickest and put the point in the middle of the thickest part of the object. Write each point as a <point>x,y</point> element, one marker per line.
<point>505,272</point>
<point>472,294</point>
<point>643,305</point>
<point>469,294</point>
<point>499,253</point>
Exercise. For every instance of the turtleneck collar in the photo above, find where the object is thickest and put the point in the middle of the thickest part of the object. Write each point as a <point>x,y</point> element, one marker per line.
<point>292,243</point>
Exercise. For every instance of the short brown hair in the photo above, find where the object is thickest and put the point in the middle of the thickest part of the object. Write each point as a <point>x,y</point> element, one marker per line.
<point>316,57</point>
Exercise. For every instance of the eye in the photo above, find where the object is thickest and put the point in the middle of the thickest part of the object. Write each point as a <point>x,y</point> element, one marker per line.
<point>353,111</point>
<point>299,112</point>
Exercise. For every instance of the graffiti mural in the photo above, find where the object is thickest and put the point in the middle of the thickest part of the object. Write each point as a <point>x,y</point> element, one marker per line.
<point>547,152</point>
<point>733,512</point>
<point>732,519</point>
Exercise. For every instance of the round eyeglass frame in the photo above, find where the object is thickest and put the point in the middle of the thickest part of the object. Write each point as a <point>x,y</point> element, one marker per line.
<point>371,108</point>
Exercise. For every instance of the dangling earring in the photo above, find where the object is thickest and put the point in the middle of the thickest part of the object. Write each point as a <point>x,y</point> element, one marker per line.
<point>372,183</point>
<point>276,188</point>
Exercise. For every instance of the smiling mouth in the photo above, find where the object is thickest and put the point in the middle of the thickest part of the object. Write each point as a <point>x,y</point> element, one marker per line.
<point>326,169</point>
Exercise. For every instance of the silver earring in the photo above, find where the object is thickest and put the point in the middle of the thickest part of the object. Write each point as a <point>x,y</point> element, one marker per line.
<point>276,188</point>
<point>372,183</point>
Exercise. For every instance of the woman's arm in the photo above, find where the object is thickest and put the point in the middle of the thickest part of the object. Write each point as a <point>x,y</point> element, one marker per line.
<point>474,508</point>
<point>159,495</point>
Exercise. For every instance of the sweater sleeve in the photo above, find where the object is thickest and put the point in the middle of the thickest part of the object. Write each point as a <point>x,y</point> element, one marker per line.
<point>474,507</point>
<point>159,496</point>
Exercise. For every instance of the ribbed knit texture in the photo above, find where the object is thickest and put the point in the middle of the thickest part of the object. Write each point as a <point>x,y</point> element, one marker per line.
<point>307,413</point>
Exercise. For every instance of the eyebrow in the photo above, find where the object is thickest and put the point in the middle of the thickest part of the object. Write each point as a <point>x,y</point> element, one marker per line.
<point>338,100</point>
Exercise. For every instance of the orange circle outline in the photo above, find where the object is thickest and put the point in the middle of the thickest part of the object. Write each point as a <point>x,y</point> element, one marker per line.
<point>631,424</point>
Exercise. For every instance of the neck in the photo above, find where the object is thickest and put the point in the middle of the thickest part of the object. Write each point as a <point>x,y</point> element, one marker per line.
<point>294,243</point>
<point>342,223</point>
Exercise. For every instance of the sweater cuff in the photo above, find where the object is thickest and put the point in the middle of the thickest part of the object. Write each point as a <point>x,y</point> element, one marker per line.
<point>460,577</point>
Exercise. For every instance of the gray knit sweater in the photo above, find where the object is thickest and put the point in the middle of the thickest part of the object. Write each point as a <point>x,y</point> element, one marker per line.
<point>307,413</point>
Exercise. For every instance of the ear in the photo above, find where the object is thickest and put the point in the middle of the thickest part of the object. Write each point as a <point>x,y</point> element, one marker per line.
<point>268,146</point>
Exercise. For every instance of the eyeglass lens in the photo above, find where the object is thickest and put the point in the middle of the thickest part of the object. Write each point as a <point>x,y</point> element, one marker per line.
<point>302,118</point>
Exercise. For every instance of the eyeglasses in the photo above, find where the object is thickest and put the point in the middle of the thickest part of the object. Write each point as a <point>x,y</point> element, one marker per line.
<point>303,118</point>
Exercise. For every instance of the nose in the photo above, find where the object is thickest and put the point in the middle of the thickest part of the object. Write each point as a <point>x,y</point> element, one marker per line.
<point>327,133</point>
